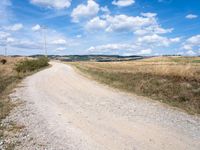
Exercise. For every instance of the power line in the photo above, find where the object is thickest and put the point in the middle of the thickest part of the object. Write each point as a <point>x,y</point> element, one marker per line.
<point>5,50</point>
<point>44,28</point>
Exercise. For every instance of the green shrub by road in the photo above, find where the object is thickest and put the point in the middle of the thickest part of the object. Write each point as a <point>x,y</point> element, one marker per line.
<point>28,65</point>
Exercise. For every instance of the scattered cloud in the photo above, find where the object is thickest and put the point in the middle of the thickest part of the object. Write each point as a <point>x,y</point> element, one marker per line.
<point>140,25</point>
<point>85,11</point>
<point>59,42</point>
<point>194,40</point>
<point>5,12</point>
<point>25,44</point>
<point>191,53</point>
<point>57,4</point>
<point>112,47</point>
<point>120,48</point>
<point>79,36</point>
<point>105,10</point>
<point>60,49</point>
<point>96,24</point>
<point>117,31</point>
<point>37,27</point>
<point>4,35</point>
<point>157,40</point>
<point>10,40</point>
<point>15,27</point>
<point>122,22</point>
<point>192,43</point>
<point>191,16</point>
<point>123,3</point>
<point>145,52</point>
<point>149,15</point>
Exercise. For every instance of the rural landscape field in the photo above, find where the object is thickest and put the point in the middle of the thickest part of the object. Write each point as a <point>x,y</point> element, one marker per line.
<point>172,80</point>
<point>99,75</point>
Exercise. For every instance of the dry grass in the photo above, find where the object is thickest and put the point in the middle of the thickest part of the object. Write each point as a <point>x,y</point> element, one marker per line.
<point>173,80</point>
<point>8,81</point>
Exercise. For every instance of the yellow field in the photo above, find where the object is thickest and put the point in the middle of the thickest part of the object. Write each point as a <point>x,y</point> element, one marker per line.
<point>173,80</point>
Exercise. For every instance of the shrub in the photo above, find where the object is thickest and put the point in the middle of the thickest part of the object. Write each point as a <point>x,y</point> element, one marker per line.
<point>28,65</point>
<point>3,61</point>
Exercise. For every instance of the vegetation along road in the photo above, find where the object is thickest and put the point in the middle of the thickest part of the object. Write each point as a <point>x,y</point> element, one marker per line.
<point>62,109</point>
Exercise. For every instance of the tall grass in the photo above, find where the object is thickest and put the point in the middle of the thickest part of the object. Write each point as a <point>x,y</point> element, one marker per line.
<point>174,83</point>
<point>10,74</point>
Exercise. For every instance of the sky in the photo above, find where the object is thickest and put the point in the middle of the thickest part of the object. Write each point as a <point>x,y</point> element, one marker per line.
<point>111,27</point>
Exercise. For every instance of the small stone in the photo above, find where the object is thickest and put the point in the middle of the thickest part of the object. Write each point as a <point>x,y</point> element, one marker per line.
<point>1,143</point>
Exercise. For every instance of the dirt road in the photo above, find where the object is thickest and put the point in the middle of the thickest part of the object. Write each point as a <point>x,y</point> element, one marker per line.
<point>64,110</point>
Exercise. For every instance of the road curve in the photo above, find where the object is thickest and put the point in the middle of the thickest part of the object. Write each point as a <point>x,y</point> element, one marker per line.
<point>65,110</point>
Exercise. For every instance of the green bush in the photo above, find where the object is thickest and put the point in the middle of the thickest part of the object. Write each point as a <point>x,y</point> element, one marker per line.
<point>29,65</point>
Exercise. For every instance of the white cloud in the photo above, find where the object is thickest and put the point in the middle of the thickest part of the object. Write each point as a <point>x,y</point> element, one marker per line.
<point>60,42</point>
<point>112,48</point>
<point>79,36</point>
<point>177,39</point>
<point>191,53</point>
<point>27,42</point>
<point>85,11</point>
<point>153,29</point>
<point>187,47</point>
<point>195,40</point>
<point>120,48</point>
<point>157,40</point>
<point>192,42</point>
<point>4,35</point>
<point>123,3</point>
<point>15,27</point>
<point>145,52</point>
<point>122,22</point>
<point>191,16</point>
<point>60,49</point>
<point>140,25</point>
<point>57,4</point>
<point>37,27</point>
<point>96,23</point>
<point>109,47</point>
<point>149,15</point>
<point>105,10</point>
<point>10,40</point>
<point>5,11</point>
<point>4,38</point>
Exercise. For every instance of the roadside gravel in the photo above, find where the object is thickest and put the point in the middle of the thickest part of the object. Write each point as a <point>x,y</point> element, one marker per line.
<point>62,110</point>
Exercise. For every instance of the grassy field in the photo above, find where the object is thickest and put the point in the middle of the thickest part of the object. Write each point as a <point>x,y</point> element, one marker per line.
<point>172,80</point>
<point>11,73</point>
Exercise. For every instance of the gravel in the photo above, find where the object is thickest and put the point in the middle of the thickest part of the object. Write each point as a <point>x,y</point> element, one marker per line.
<point>62,109</point>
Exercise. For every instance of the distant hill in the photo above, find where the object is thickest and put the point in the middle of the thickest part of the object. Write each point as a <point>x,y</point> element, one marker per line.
<point>97,58</point>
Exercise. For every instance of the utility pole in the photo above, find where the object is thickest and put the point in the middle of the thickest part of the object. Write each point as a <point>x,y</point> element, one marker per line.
<point>5,51</point>
<point>45,40</point>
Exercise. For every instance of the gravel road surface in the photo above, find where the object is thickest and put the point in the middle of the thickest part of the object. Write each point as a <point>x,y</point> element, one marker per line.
<point>62,110</point>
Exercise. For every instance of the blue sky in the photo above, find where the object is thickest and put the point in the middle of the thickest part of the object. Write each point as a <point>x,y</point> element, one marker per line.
<point>122,27</point>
